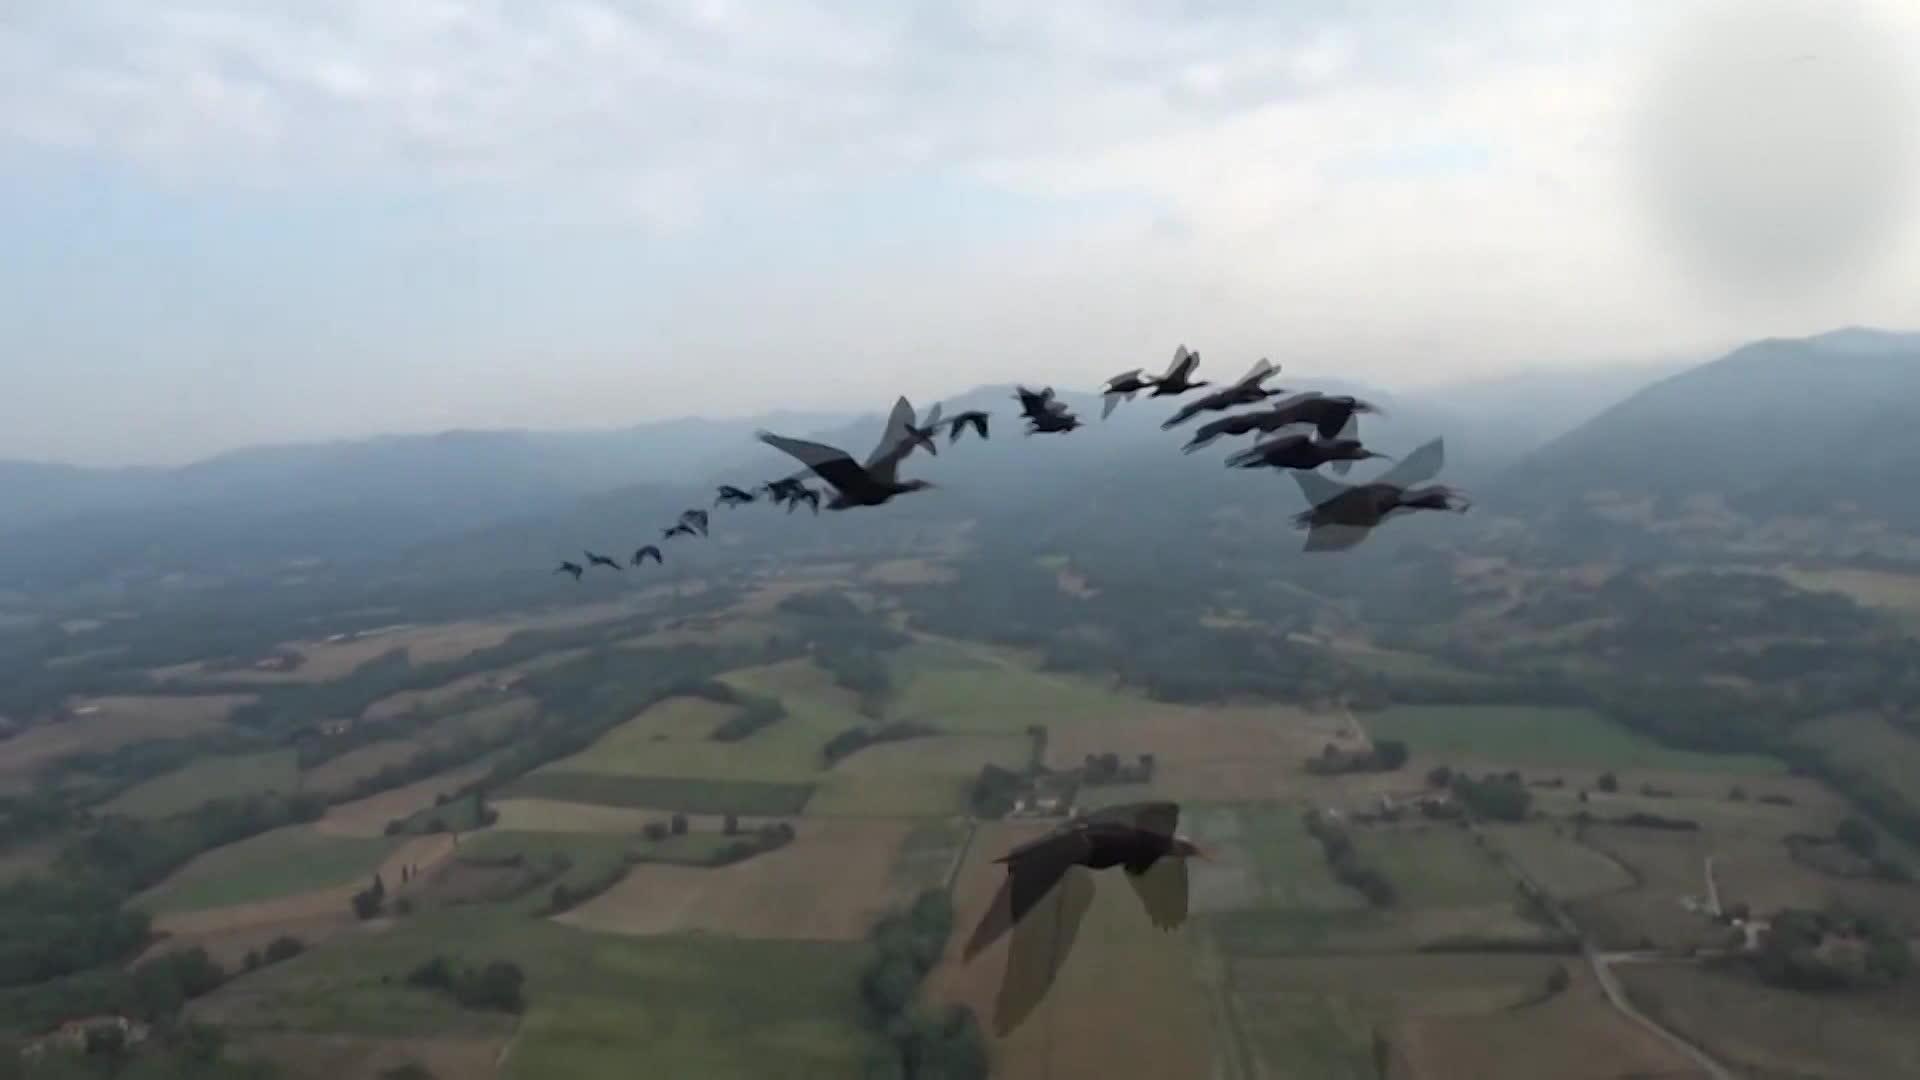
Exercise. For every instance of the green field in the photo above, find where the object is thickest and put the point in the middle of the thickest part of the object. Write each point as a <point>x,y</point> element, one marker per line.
<point>355,765</point>
<point>1868,744</point>
<point>1435,866</point>
<point>672,738</point>
<point>1560,864</point>
<point>283,862</point>
<point>229,777</point>
<point>1262,856</point>
<point>967,688</point>
<point>1523,735</point>
<point>664,793</point>
<point>600,1005</point>
<point>455,815</point>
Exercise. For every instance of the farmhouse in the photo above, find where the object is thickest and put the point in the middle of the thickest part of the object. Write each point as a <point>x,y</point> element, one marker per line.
<point>72,1035</point>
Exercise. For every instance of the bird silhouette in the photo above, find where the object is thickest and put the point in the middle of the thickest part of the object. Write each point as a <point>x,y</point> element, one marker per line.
<point>853,484</point>
<point>1053,422</point>
<point>1038,404</point>
<point>602,560</point>
<point>733,496</point>
<point>640,556</point>
<point>1299,452</point>
<point>1247,391</point>
<point>1331,415</point>
<point>573,568</point>
<point>805,495</point>
<point>1341,515</point>
<point>973,418</point>
<point>1123,387</point>
<point>1179,377</point>
<point>1135,836</point>
<point>780,491</point>
<point>922,433</point>
<point>695,518</point>
<point>678,529</point>
<point>1265,421</point>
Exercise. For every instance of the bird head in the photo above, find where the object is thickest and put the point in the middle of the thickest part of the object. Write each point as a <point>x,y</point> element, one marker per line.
<point>1187,849</point>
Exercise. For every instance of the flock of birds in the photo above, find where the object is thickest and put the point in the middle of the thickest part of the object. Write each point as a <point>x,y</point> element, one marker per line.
<point>1298,434</point>
<point>1339,515</point>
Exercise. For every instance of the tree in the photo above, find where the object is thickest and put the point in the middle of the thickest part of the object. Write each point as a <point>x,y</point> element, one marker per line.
<point>1857,836</point>
<point>1737,794</point>
<point>679,825</point>
<point>1389,754</point>
<point>284,947</point>
<point>1608,783</point>
<point>730,826</point>
<point>1439,776</point>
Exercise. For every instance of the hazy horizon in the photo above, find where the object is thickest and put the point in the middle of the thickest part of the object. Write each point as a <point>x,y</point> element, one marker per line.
<point>235,224</point>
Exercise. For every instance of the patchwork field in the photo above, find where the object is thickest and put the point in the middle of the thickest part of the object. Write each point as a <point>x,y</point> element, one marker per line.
<point>117,722</point>
<point>354,766</point>
<point>1575,1034</point>
<point>828,885</point>
<point>284,862</point>
<point>1868,1035</point>
<point>745,797</point>
<point>332,1057</point>
<point>1670,867</point>
<point>1867,744</point>
<point>369,816</point>
<point>1261,856</point>
<point>1560,864</point>
<point>200,781</point>
<point>1528,735</point>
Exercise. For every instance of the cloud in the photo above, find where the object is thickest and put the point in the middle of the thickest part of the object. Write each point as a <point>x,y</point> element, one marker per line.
<point>1410,189</point>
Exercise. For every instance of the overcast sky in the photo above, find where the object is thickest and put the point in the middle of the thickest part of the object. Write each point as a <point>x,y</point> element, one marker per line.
<point>235,221</point>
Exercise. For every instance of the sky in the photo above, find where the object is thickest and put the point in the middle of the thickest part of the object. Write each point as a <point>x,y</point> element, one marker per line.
<point>230,222</point>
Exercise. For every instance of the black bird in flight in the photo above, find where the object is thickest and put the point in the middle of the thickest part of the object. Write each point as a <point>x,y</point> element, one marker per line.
<point>1179,377</point>
<point>573,568</point>
<point>805,495</point>
<point>1265,421</point>
<point>1139,837</point>
<point>733,496</point>
<point>1053,422</point>
<point>695,518</point>
<point>680,529</point>
<point>1247,391</point>
<point>602,560</point>
<point>1299,452</point>
<point>781,490</point>
<point>923,433</point>
<point>973,418</point>
<point>640,556</point>
<point>1121,388</point>
<point>1341,515</point>
<point>1332,415</point>
<point>1037,405</point>
<point>853,484</point>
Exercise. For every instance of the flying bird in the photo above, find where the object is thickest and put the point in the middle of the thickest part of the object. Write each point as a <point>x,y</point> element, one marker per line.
<point>782,490</point>
<point>1247,391</point>
<point>1053,422</point>
<point>1299,452</point>
<point>1265,421</point>
<point>805,495</point>
<point>1138,837</point>
<point>1123,387</point>
<point>973,418</point>
<point>640,556</point>
<point>602,560</point>
<point>853,484</point>
<point>1035,405</point>
<point>1341,515</point>
<point>680,529</point>
<point>573,568</point>
<point>1330,414</point>
<point>922,434</point>
<point>733,496</point>
<point>1179,377</point>
<point>697,519</point>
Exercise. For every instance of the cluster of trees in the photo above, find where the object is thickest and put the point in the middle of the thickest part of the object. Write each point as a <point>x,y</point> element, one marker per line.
<point>1493,797</point>
<point>370,901</point>
<point>1336,844</point>
<point>921,1043</point>
<point>755,712</point>
<point>495,987</point>
<point>855,739</point>
<point>1832,950</point>
<point>152,991</point>
<point>1386,755</point>
<point>283,948</point>
<point>847,643</point>
<point>995,791</point>
<point>1108,768</point>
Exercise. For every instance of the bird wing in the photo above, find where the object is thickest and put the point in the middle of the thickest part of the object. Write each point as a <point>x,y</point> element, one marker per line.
<point>1348,430</point>
<point>1189,411</point>
<point>829,463</point>
<point>896,431</point>
<point>1418,467</point>
<point>1033,869</point>
<point>1111,401</point>
<point>1183,364</point>
<point>1259,372</point>
<point>1318,489</point>
<point>1041,944</point>
<point>1124,376</point>
<point>1164,891</point>
<point>1335,537</point>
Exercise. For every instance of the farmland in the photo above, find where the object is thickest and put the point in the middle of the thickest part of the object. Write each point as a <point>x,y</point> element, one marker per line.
<point>283,862</point>
<point>112,722</point>
<point>1526,735</point>
<point>210,778</point>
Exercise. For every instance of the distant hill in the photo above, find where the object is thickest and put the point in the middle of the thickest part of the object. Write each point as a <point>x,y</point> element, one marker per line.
<point>1804,426</point>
